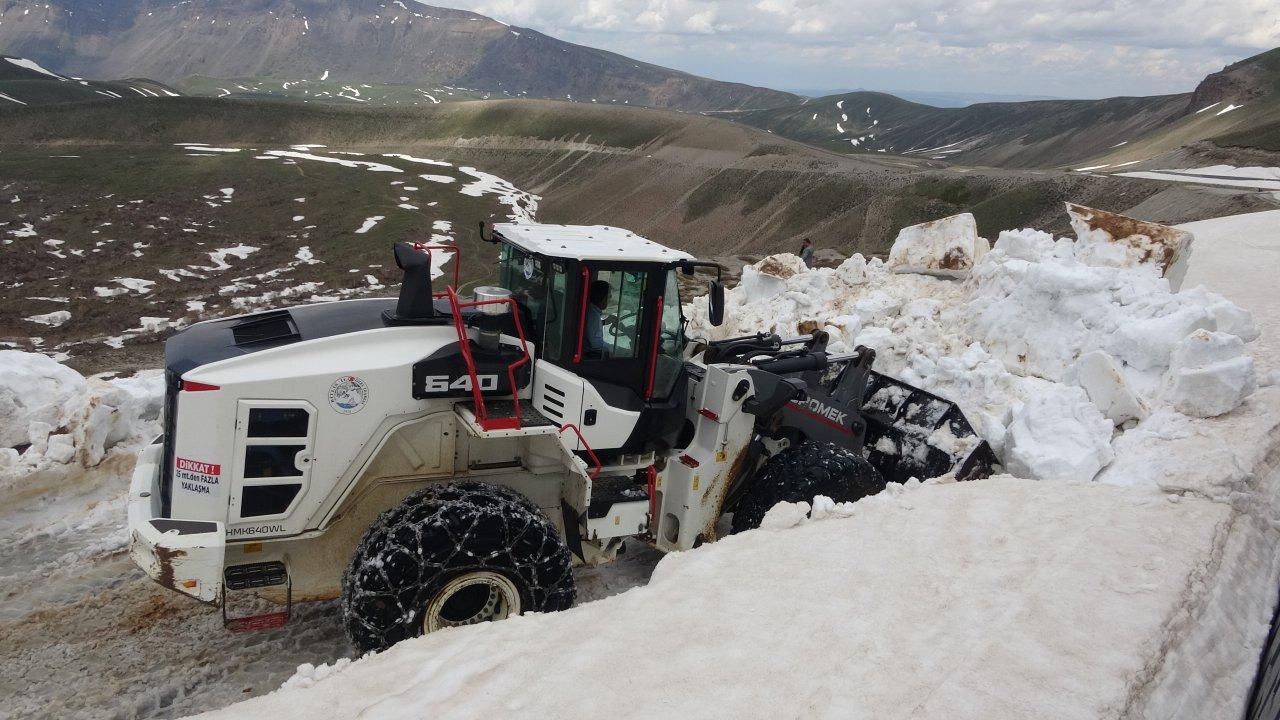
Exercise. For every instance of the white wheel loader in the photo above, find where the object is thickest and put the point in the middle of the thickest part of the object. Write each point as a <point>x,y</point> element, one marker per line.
<point>438,461</point>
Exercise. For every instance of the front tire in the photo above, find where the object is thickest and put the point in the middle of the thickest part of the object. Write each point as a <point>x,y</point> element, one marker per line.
<point>453,555</point>
<point>800,473</point>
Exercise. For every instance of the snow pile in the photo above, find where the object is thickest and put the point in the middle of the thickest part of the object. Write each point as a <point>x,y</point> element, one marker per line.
<point>52,416</point>
<point>1002,578</point>
<point>1050,346</point>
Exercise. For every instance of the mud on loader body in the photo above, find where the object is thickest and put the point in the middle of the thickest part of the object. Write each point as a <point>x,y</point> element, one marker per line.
<point>440,461</point>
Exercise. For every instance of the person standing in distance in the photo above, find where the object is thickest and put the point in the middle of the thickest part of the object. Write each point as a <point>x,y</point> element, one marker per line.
<point>806,252</point>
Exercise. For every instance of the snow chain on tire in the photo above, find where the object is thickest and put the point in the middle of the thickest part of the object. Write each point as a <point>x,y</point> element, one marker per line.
<point>439,534</point>
<point>800,473</point>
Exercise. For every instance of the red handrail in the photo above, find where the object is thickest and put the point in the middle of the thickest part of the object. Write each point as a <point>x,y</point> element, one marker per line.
<point>653,352</point>
<point>582,313</point>
<point>464,344</point>
<point>457,262</point>
<point>651,474</point>
<point>591,453</point>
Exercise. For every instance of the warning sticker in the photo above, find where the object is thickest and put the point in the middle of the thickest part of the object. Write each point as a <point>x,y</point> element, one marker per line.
<point>197,477</point>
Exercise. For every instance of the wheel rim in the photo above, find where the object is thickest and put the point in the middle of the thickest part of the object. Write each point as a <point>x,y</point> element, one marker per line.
<point>472,598</point>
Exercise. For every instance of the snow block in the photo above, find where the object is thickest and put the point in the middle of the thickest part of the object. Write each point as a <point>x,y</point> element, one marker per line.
<point>33,388</point>
<point>1208,375</point>
<point>1102,378</point>
<point>768,278</point>
<point>1058,435</point>
<point>65,420</point>
<point>948,247</point>
<point>1109,239</point>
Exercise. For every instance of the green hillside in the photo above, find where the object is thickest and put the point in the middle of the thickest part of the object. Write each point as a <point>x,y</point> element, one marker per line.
<point>25,83</point>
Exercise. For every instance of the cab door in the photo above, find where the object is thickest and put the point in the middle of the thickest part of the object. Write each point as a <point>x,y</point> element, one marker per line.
<point>274,454</point>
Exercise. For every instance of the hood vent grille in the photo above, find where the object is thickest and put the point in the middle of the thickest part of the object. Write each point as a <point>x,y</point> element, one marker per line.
<point>265,328</point>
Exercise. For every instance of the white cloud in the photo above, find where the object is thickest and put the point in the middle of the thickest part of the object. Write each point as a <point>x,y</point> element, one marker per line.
<point>1008,45</point>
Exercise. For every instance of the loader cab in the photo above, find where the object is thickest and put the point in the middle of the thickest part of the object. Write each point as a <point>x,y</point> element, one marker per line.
<point>602,306</point>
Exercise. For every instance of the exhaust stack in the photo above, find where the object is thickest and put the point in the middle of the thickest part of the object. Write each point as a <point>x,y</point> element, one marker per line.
<point>416,304</point>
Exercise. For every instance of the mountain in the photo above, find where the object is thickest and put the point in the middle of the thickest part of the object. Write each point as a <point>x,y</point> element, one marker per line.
<point>356,41</point>
<point>26,82</point>
<point>1238,104</point>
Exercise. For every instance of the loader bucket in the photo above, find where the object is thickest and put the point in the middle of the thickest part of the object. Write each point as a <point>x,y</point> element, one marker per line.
<point>914,433</point>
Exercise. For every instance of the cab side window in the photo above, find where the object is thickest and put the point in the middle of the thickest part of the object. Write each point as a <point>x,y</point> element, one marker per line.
<point>614,315</point>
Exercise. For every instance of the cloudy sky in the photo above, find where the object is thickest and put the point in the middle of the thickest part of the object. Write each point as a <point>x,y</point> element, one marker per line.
<point>1063,48</point>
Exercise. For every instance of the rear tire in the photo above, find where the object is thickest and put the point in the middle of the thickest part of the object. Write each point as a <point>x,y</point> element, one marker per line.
<point>452,555</point>
<point>798,474</point>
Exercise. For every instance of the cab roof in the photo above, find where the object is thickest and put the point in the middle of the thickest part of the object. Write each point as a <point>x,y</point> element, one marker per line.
<point>587,242</point>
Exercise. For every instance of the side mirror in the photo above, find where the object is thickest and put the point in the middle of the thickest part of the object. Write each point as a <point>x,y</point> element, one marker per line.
<point>715,303</point>
<point>489,227</point>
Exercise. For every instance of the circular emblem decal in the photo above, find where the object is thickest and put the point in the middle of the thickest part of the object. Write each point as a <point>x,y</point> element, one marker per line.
<point>528,268</point>
<point>348,394</point>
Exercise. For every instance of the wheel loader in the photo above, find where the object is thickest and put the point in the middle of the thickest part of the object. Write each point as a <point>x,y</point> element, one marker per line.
<point>438,460</point>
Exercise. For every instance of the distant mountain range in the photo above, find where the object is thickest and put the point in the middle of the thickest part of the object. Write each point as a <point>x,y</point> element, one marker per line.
<point>1241,102</point>
<point>936,98</point>
<point>357,41</point>
<point>406,53</point>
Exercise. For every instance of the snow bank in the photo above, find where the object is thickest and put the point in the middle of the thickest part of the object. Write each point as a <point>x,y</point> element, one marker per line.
<point>1001,578</point>
<point>52,416</point>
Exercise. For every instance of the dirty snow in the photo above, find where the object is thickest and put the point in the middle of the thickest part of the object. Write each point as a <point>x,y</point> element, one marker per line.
<point>948,247</point>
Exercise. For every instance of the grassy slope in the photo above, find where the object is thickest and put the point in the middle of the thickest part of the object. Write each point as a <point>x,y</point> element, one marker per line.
<point>34,88</point>
<point>90,203</point>
<point>233,121</point>
<point>1025,134</point>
